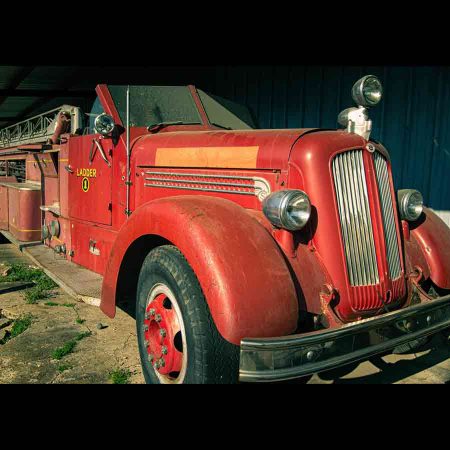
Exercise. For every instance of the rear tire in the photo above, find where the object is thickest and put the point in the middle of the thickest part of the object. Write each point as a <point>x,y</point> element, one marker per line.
<point>178,340</point>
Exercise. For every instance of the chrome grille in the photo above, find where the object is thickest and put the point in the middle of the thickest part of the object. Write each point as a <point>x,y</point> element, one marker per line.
<point>355,219</point>
<point>387,207</point>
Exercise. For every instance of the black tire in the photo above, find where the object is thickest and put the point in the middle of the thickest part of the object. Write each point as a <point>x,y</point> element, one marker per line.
<point>210,358</point>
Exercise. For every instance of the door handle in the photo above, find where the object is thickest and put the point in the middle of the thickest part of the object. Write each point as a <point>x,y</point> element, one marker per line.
<point>68,168</point>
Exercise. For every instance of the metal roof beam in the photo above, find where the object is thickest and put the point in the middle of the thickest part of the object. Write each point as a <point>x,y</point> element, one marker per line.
<point>45,93</point>
<point>19,77</point>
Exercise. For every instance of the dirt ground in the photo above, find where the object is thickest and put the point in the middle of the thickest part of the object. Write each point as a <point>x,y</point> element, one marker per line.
<point>27,358</point>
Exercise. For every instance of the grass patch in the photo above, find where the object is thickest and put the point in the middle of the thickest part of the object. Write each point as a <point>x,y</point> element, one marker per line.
<point>66,349</point>
<point>120,376</point>
<point>82,335</point>
<point>68,305</point>
<point>63,367</point>
<point>69,346</point>
<point>19,326</point>
<point>80,321</point>
<point>51,304</point>
<point>22,272</point>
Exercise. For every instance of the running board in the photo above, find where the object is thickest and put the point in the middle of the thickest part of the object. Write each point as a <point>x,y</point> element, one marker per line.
<point>79,282</point>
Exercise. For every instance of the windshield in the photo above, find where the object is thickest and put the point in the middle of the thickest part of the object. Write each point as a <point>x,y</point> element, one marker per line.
<point>151,105</point>
<point>225,113</point>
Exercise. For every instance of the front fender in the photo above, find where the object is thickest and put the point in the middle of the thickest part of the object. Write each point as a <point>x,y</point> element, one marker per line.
<point>241,270</point>
<point>433,237</point>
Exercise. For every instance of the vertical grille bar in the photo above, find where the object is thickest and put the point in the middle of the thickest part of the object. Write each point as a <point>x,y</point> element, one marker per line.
<point>390,232</point>
<point>355,219</point>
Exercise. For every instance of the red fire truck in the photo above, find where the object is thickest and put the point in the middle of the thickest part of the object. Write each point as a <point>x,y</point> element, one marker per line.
<point>252,255</point>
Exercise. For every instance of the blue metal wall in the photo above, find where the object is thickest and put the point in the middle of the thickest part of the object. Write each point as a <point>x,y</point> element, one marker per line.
<point>412,120</point>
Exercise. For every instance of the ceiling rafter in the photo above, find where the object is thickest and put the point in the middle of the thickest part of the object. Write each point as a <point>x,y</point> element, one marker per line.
<point>64,85</point>
<point>21,75</point>
<point>48,93</point>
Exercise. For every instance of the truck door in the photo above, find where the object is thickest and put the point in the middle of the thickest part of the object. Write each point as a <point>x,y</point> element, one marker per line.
<point>90,178</point>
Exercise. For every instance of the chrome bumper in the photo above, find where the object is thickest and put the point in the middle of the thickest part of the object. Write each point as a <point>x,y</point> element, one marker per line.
<point>284,358</point>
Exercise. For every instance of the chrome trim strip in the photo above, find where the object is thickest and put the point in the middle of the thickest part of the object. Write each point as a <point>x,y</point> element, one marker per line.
<point>387,207</point>
<point>260,186</point>
<point>354,214</point>
<point>200,189</point>
<point>215,183</point>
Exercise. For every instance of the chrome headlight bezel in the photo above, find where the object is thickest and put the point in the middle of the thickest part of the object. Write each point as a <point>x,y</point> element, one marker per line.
<point>277,206</point>
<point>361,97</point>
<point>410,204</point>
<point>104,124</point>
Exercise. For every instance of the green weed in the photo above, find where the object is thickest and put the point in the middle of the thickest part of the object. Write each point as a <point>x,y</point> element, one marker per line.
<point>63,367</point>
<point>69,346</point>
<point>19,326</point>
<point>66,349</point>
<point>22,272</point>
<point>120,376</point>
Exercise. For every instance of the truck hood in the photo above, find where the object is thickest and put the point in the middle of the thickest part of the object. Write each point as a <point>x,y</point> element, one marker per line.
<point>234,149</point>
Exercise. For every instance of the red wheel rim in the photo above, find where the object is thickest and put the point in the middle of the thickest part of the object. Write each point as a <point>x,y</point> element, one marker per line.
<point>164,335</point>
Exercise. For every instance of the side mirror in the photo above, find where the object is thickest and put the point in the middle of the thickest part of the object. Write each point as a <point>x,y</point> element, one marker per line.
<point>104,124</point>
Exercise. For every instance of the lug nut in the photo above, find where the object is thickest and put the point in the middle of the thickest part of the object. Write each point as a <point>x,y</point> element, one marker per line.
<point>156,365</point>
<point>146,343</point>
<point>162,363</point>
<point>311,355</point>
<point>145,327</point>
<point>429,319</point>
<point>162,332</point>
<point>164,350</point>
<point>150,358</point>
<point>152,311</point>
<point>158,317</point>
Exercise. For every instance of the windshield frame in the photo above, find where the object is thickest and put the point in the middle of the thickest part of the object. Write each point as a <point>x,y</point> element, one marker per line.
<point>109,107</point>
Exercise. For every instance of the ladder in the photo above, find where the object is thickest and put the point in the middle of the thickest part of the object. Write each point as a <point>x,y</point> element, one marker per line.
<point>39,128</point>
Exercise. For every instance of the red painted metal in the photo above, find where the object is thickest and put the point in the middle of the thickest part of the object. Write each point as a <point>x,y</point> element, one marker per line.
<point>241,270</point>
<point>90,180</point>
<point>108,103</point>
<point>4,214</point>
<point>24,214</point>
<point>433,236</point>
<point>160,328</point>
<point>311,171</point>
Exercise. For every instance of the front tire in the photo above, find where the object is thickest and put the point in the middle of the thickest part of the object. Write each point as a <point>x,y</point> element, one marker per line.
<point>178,340</point>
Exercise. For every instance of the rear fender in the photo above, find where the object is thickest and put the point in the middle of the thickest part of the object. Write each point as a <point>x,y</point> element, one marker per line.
<point>241,270</point>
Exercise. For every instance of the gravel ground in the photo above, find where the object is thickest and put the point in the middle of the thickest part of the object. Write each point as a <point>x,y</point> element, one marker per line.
<point>27,358</point>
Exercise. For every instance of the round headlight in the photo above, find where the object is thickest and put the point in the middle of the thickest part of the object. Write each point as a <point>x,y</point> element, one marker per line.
<point>410,203</point>
<point>367,91</point>
<point>289,209</point>
<point>104,124</point>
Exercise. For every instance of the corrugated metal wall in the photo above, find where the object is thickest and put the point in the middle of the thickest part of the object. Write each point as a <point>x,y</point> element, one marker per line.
<point>412,121</point>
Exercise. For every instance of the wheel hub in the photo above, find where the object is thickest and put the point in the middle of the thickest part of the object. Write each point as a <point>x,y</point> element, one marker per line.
<point>162,334</point>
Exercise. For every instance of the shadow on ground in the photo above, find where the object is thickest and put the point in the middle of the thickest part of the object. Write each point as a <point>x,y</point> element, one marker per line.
<point>429,365</point>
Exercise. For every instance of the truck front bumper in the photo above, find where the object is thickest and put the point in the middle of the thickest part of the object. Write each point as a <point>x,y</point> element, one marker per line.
<point>284,358</point>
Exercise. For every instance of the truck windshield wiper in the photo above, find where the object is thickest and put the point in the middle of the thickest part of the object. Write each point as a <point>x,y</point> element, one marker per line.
<point>157,126</point>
